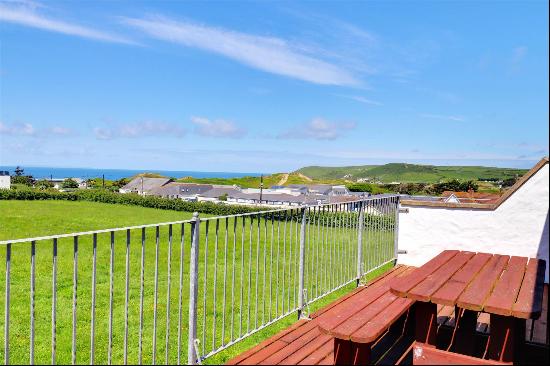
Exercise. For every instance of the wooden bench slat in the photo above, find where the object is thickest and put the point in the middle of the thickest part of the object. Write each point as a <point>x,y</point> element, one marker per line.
<point>506,290</point>
<point>423,355</point>
<point>529,302</point>
<point>371,285</point>
<point>262,354</point>
<point>427,287</point>
<point>350,325</point>
<point>450,291</point>
<point>540,326</point>
<point>480,288</point>
<point>329,360</point>
<point>319,354</point>
<point>374,329</point>
<point>402,286</point>
<point>292,347</point>
<point>343,311</point>
<point>306,350</point>
<point>266,343</point>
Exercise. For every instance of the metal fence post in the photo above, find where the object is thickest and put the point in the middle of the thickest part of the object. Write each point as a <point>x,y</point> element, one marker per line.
<point>360,241</point>
<point>193,289</point>
<point>302,263</point>
<point>396,230</point>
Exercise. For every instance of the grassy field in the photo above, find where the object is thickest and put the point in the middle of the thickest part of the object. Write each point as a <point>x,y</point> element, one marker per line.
<point>259,268</point>
<point>269,180</point>
<point>411,173</point>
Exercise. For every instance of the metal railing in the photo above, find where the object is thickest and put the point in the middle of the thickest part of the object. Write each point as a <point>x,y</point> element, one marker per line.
<point>99,299</point>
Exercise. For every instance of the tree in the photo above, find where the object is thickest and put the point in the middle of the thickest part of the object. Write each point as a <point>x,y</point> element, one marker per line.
<point>22,179</point>
<point>121,182</point>
<point>43,184</point>
<point>508,182</point>
<point>19,171</point>
<point>223,197</point>
<point>69,183</point>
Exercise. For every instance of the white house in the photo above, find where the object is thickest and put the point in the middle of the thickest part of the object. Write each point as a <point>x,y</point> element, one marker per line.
<point>5,180</point>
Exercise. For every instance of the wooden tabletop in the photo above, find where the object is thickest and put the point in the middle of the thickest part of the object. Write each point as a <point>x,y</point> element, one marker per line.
<point>493,283</point>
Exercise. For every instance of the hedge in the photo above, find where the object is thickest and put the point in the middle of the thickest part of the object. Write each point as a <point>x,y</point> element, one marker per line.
<point>104,196</point>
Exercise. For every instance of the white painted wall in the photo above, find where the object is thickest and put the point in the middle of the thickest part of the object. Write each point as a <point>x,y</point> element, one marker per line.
<point>5,182</point>
<point>517,227</point>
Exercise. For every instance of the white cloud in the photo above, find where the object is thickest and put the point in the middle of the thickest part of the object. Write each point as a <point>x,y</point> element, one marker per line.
<point>361,99</point>
<point>25,14</point>
<point>137,130</point>
<point>217,128</point>
<point>519,54</point>
<point>274,55</point>
<point>318,129</point>
<point>443,117</point>
<point>27,129</point>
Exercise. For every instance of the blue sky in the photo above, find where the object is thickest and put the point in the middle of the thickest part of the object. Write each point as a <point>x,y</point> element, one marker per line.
<point>272,86</point>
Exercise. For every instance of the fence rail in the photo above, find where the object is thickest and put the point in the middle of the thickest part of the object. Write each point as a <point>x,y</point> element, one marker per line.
<point>244,272</point>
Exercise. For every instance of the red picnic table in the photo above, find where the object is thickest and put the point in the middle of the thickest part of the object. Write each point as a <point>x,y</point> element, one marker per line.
<point>510,289</point>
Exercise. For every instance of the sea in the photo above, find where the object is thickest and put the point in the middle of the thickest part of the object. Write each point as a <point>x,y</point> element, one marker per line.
<point>113,174</point>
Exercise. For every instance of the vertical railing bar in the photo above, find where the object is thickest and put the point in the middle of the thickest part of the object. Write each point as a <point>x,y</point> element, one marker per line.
<point>271,268</point>
<point>32,293</point>
<point>126,296</point>
<point>290,259</point>
<point>302,262</point>
<point>75,288</point>
<point>324,249</point>
<point>193,290</point>
<point>155,300</point>
<point>225,278</point>
<point>7,307</point>
<point>242,276</point>
<point>94,280</point>
<point>205,286</point>
<point>361,223</point>
<point>296,260</point>
<point>215,303</point>
<point>396,229</point>
<point>249,273</point>
<point>111,295</point>
<point>180,293</point>
<point>278,262</point>
<point>141,285</point>
<point>54,300</point>
<point>318,244</point>
<point>233,277</point>
<point>284,265</point>
<point>257,271</point>
<point>168,293</point>
<point>265,271</point>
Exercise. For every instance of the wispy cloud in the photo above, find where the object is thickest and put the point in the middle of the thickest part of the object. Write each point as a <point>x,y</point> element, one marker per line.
<point>518,54</point>
<point>318,129</point>
<point>361,99</point>
<point>25,13</point>
<point>29,130</point>
<point>138,130</point>
<point>270,54</point>
<point>443,117</point>
<point>217,128</point>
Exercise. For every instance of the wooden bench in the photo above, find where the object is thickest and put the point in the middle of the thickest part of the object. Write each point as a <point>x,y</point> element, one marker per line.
<point>357,325</point>
<point>304,343</point>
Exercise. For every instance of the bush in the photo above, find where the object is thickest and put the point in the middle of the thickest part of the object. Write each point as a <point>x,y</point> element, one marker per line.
<point>43,184</point>
<point>22,179</point>
<point>69,183</point>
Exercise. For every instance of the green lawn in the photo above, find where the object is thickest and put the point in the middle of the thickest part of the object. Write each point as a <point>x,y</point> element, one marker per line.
<point>260,272</point>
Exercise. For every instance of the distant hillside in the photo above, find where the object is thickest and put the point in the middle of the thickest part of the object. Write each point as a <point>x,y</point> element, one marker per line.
<point>254,182</point>
<point>410,173</point>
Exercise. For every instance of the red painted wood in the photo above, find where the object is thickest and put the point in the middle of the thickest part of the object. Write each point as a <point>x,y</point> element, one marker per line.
<point>426,322</point>
<point>305,350</point>
<point>319,354</point>
<point>474,297</point>
<point>507,288</point>
<point>402,286</point>
<point>529,302</point>
<point>464,339</point>
<point>507,335</point>
<point>292,347</point>
<point>372,330</point>
<point>342,352</point>
<point>448,293</point>
<point>423,355</point>
<point>431,283</point>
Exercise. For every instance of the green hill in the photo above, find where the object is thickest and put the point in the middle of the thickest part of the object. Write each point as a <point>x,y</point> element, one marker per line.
<point>410,173</point>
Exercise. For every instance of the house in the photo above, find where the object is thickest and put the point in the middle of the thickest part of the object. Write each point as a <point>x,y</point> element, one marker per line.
<point>5,180</point>
<point>214,194</point>
<point>185,191</point>
<point>143,185</point>
<point>58,182</point>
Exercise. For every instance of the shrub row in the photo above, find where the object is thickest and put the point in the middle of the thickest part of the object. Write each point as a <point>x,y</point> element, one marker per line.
<point>104,196</point>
